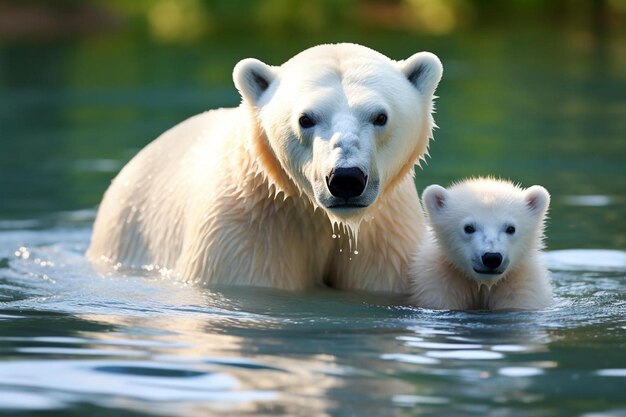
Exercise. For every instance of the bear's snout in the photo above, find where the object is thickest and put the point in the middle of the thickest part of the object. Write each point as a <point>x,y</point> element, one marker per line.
<point>492,260</point>
<point>346,182</point>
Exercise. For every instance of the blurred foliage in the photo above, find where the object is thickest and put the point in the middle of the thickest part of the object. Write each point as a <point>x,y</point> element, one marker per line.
<point>184,20</point>
<point>193,20</point>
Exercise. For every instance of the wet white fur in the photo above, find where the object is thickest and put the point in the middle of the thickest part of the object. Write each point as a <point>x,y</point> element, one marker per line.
<point>442,273</point>
<point>236,196</point>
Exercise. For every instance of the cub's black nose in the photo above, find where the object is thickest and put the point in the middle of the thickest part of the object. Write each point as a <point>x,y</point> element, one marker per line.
<point>492,260</point>
<point>346,182</point>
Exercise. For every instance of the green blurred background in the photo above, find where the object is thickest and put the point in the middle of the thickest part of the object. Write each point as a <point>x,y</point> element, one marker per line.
<point>533,90</point>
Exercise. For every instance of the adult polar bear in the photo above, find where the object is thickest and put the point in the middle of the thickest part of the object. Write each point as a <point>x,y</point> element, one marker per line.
<point>322,145</point>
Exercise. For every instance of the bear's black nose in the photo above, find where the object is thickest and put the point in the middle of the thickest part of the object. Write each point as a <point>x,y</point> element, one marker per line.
<point>346,182</point>
<point>492,260</point>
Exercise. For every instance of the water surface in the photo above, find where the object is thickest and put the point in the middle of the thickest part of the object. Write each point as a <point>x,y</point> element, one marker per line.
<point>76,342</point>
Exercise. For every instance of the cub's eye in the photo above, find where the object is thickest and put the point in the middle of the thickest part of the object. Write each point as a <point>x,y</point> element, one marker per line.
<point>510,230</point>
<point>306,121</point>
<point>469,229</point>
<point>380,120</point>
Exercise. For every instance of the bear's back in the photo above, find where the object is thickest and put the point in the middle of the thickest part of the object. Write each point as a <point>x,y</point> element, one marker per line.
<point>182,161</point>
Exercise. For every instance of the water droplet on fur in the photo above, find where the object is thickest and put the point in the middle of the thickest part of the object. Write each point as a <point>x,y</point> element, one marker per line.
<point>340,250</point>
<point>356,252</point>
<point>334,236</point>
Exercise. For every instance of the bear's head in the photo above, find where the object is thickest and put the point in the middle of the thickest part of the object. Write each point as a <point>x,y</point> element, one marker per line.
<point>487,227</point>
<point>342,124</point>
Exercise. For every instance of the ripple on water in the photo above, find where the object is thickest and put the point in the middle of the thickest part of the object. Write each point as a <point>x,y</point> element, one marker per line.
<point>510,348</point>
<point>412,400</point>
<point>589,200</point>
<point>139,380</point>
<point>465,354</point>
<point>410,358</point>
<point>617,372</point>
<point>443,346</point>
<point>104,342</point>
<point>520,371</point>
<point>17,400</point>
<point>49,350</point>
<point>586,260</point>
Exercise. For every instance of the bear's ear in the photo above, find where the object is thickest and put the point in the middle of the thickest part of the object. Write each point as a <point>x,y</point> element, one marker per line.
<point>424,71</point>
<point>434,199</point>
<point>537,199</point>
<point>252,78</point>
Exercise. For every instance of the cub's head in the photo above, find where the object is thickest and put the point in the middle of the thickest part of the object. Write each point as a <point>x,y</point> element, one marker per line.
<point>487,227</point>
<point>340,123</point>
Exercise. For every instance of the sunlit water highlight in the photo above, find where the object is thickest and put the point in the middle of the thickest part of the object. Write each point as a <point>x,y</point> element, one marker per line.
<point>135,343</point>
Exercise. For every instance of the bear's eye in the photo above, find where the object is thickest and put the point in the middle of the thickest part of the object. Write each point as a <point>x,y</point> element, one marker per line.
<point>469,229</point>
<point>510,230</point>
<point>306,121</point>
<point>380,120</point>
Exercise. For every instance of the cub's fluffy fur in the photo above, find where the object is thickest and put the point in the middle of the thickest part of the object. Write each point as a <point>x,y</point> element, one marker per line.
<point>483,248</point>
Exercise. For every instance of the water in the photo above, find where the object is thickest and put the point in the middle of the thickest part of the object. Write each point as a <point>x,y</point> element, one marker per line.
<point>77,343</point>
<point>537,107</point>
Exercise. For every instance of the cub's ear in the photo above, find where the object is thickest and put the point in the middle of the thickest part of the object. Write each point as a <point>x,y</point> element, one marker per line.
<point>537,199</point>
<point>252,78</point>
<point>424,71</point>
<point>434,199</point>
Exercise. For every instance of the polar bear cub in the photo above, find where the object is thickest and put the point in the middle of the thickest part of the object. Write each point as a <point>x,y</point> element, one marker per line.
<point>483,248</point>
